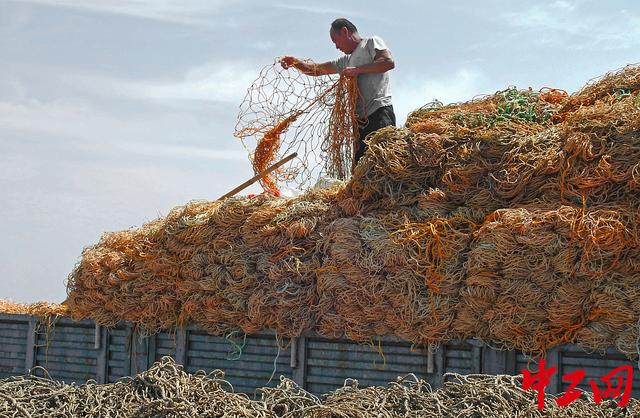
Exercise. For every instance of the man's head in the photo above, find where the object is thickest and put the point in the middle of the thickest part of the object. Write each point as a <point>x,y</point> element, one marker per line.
<point>344,35</point>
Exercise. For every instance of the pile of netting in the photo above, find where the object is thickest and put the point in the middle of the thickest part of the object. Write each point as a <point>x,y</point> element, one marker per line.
<point>285,111</point>
<point>165,390</point>
<point>39,309</point>
<point>513,218</point>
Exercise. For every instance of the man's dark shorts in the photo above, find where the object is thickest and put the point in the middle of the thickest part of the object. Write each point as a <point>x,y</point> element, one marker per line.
<point>377,120</point>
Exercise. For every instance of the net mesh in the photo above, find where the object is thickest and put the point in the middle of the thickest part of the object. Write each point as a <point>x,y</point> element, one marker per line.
<point>286,111</point>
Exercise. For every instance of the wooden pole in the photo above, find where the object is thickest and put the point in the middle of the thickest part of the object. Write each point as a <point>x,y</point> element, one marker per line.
<point>260,175</point>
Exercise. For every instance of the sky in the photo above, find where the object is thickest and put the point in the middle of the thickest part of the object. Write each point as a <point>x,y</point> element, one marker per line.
<point>112,112</point>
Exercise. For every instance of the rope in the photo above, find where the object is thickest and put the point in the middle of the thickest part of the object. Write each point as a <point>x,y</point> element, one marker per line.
<point>291,112</point>
<point>166,390</point>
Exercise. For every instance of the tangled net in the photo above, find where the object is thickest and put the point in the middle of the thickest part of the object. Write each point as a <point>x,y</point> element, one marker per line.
<point>291,112</point>
<point>165,390</point>
<point>38,309</point>
<point>513,218</point>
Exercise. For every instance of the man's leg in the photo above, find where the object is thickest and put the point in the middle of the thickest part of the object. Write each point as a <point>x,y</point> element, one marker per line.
<point>379,119</point>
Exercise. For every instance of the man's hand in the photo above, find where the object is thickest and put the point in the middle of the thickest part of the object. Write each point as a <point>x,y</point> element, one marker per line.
<point>288,62</point>
<point>351,71</point>
<point>308,67</point>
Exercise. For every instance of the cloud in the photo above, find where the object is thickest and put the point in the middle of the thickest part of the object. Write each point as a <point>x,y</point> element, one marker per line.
<point>556,16</point>
<point>215,81</point>
<point>318,10</point>
<point>175,11</point>
<point>58,117</point>
<point>12,88</point>
<point>14,18</point>
<point>586,29</point>
<point>64,200</point>
<point>263,45</point>
<point>334,12</point>
<point>17,168</point>
<point>565,5</point>
<point>81,126</point>
<point>188,152</point>
<point>224,82</point>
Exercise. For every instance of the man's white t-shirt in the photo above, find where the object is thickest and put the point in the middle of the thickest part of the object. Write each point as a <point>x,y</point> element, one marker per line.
<point>374,87</point>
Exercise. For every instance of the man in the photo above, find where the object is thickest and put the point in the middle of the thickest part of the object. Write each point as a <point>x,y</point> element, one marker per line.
<point>369,60</point>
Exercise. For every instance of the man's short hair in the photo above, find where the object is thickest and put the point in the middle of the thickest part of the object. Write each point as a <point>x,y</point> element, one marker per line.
<point>340,23</point>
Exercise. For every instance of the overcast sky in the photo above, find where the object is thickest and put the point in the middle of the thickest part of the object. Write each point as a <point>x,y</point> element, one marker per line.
<point>114,111</point>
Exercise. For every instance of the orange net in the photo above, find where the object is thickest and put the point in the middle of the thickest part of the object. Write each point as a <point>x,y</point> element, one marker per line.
<point>492,219</point>
<point>286,111</point>
<point>40,309</point>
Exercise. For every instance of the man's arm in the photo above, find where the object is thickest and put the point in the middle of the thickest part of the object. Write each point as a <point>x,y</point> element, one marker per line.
<point>382,62</point>
<point>309,67</point>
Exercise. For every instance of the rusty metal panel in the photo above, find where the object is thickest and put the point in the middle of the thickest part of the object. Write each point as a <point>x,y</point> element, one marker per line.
<point>13,345</point>
<point>595,365</point>
<point>247,369</point>
<point>67,351</point>
<point>165,345</point>
<point>461,357</point>
<point>118,353</point>
<point>330,362</point>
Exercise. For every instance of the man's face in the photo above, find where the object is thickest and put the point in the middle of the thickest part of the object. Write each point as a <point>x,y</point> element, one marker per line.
<point>340,39</point>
